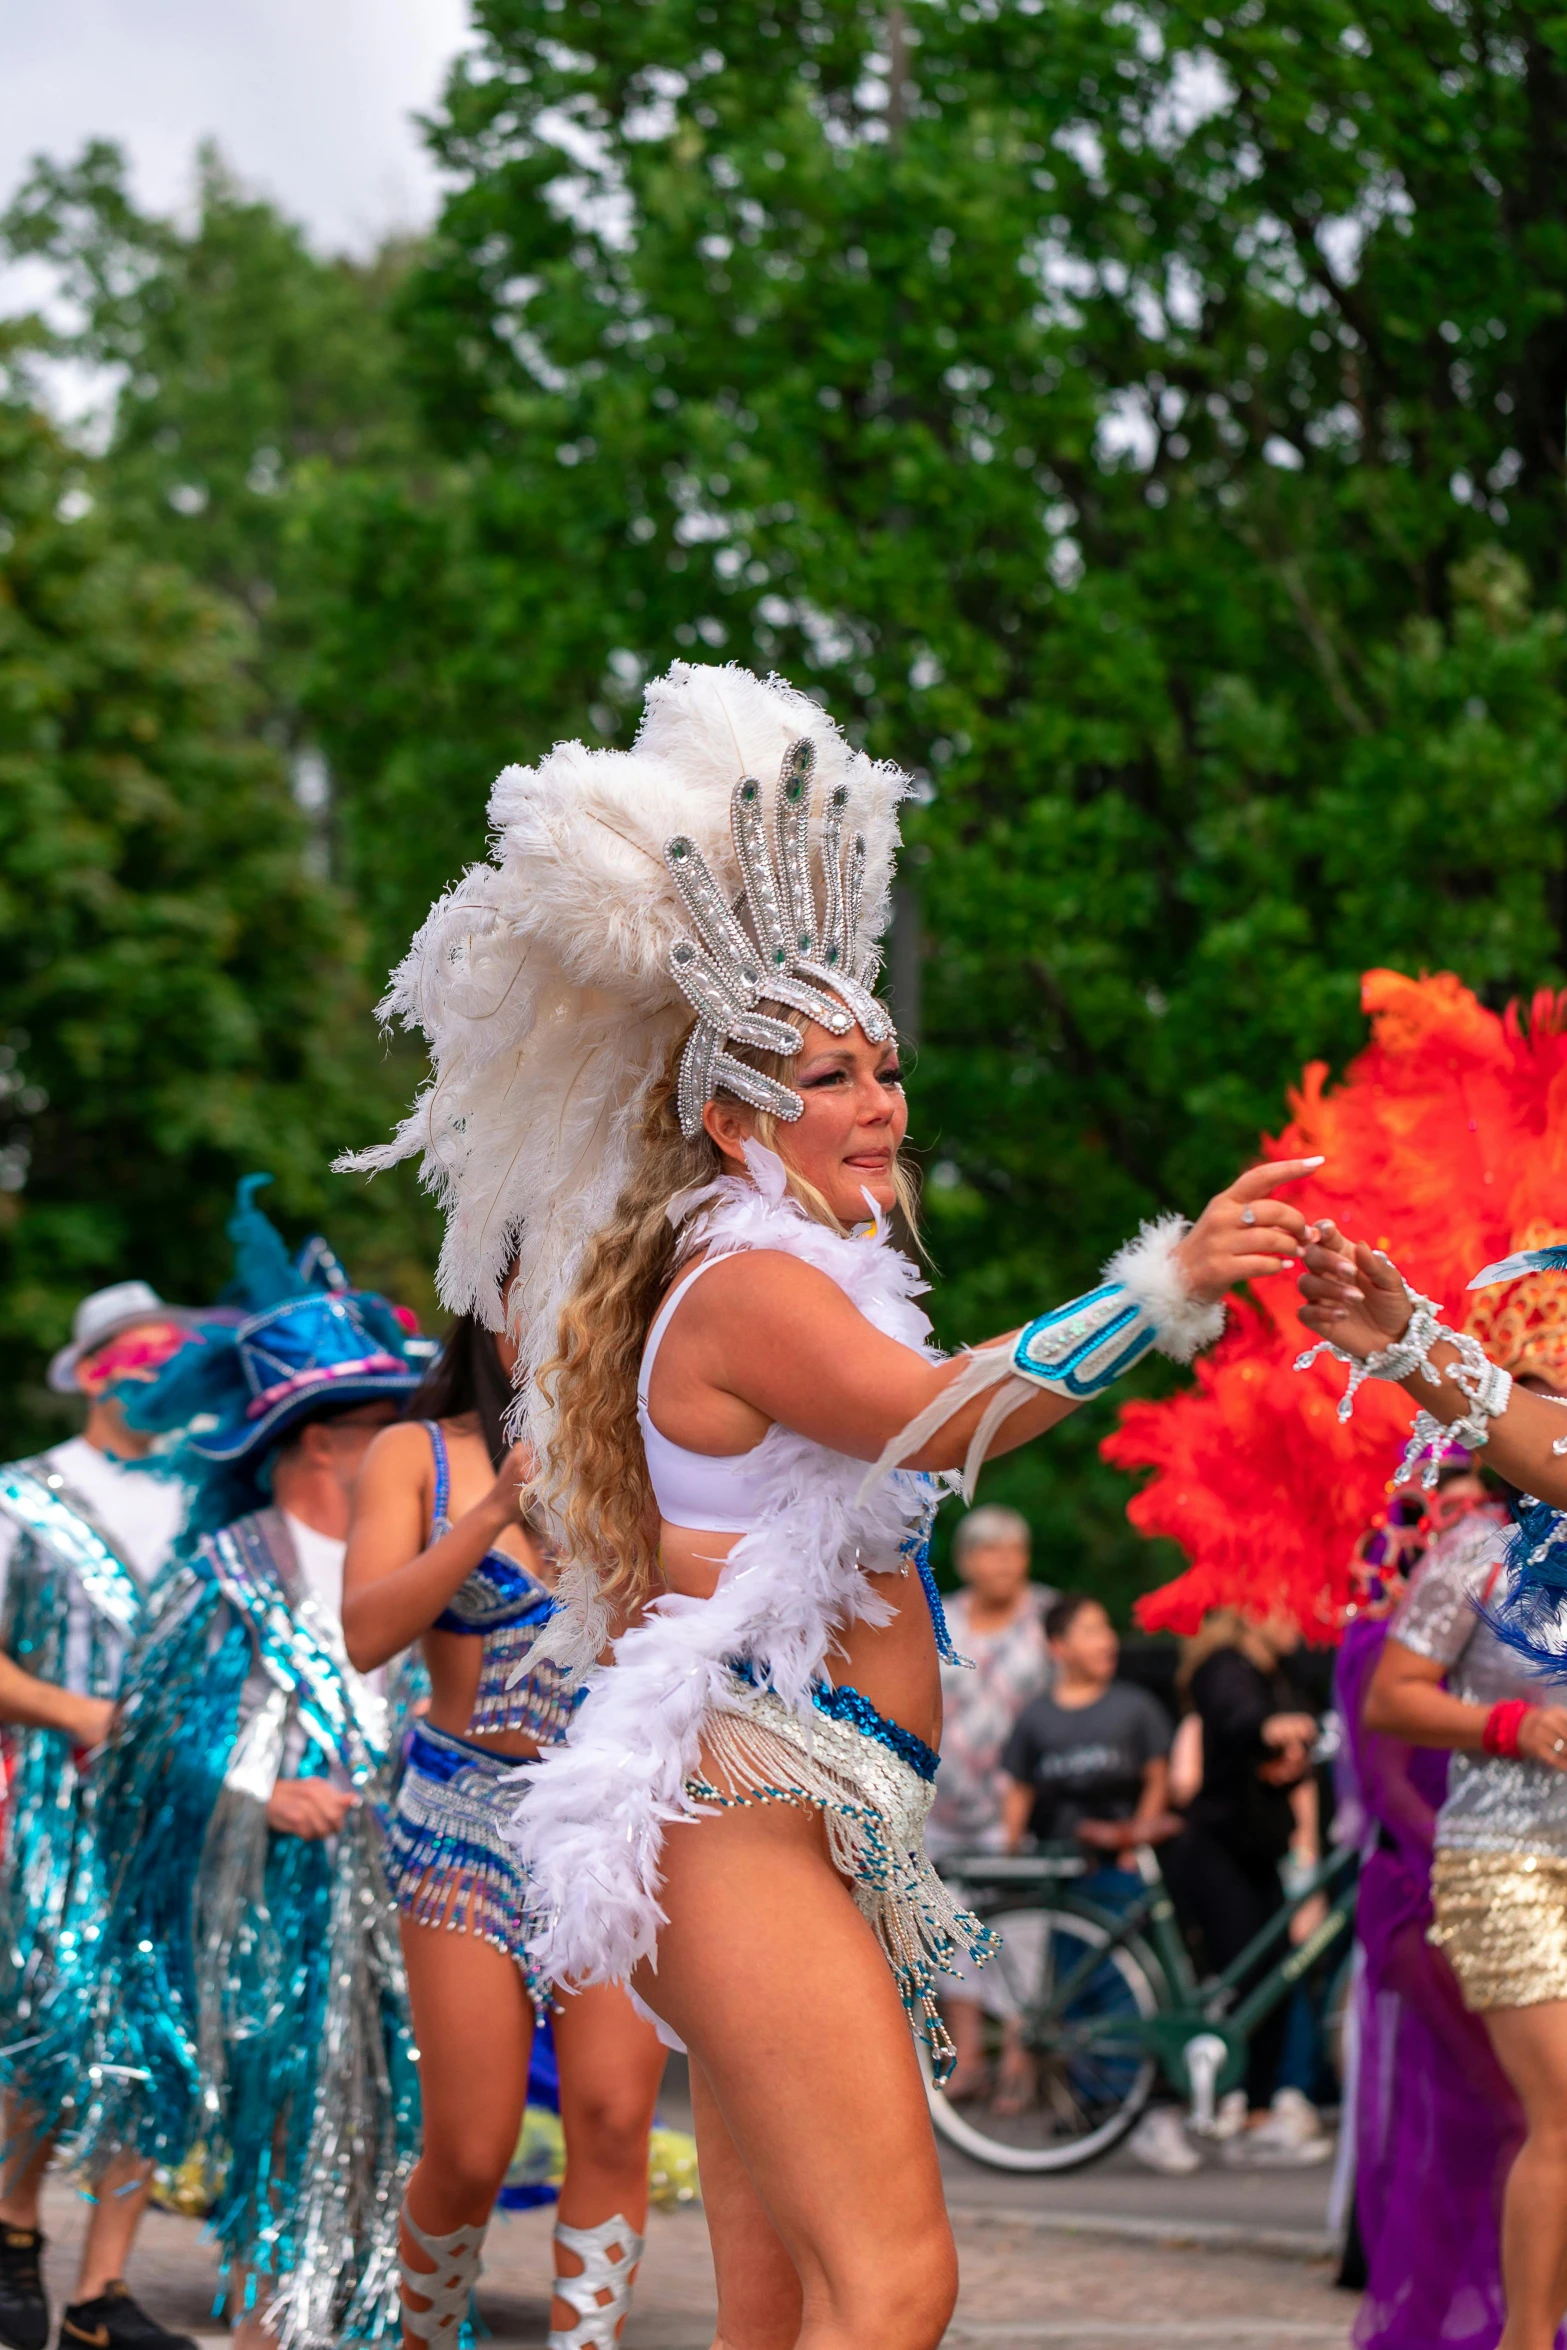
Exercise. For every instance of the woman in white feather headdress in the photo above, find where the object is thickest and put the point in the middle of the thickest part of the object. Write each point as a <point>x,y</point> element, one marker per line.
<point>663,1088</point>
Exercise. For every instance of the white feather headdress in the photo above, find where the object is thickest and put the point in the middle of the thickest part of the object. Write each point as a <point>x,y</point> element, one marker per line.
<point>542,981</point>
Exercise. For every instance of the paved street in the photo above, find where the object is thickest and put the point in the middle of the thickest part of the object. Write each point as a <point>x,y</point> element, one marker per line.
<point>1285,2210</point>
<point>1023,2283</point>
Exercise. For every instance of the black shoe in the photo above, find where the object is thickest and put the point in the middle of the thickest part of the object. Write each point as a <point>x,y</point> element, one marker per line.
<point>115,2322</point>
<point>24,2313</point>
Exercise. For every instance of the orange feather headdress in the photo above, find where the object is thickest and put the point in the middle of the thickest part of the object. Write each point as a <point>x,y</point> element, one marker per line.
<point>1446,1145</point>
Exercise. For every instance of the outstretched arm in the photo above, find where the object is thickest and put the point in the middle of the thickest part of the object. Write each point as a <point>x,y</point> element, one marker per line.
<point>1356,1298</point>
<point>779,1339</point>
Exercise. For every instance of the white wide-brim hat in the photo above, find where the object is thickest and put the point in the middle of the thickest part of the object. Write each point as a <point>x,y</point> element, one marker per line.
<point>104,1315</point>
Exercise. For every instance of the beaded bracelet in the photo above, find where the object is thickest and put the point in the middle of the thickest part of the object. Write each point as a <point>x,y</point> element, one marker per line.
<point>1484,1384</point>
<point>1502,1726</point>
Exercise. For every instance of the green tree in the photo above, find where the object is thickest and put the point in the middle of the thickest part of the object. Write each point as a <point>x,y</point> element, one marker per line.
<point>179,993</point>
<point>238,362</point>
<point>1147,425</point>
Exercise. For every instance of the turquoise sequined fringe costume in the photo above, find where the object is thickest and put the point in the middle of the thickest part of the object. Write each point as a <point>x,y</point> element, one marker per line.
<point>252,2003</point>
<point>52,1890</point>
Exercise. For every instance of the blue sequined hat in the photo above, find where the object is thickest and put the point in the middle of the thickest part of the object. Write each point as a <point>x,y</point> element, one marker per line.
<point>291,1339</point>
<point>339,1347</point>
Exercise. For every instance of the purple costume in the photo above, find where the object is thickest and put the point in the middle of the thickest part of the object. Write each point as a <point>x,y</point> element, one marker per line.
<point>1436,2124</point>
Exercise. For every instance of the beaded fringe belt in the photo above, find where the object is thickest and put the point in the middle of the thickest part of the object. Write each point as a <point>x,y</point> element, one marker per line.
<point>871,1781</point>
<point>447,1861</point>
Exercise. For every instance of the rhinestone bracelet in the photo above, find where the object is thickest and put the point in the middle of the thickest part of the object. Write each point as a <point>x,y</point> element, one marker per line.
<point>1397,1361</point>
<point>1485,1384</point>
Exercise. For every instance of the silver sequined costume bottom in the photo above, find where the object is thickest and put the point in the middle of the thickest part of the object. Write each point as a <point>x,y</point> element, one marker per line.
<point>447,1861</point>
<point>874,1803</point>
<point>1501,1919</point>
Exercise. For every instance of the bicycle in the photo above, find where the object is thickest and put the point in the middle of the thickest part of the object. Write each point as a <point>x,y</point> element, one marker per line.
<point>1106,2000</point>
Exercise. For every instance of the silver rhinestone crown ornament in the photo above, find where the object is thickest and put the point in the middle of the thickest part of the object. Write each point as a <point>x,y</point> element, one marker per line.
<point>814,961</point>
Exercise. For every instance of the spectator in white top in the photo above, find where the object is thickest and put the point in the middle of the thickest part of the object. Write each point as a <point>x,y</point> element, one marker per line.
<point>997,1623</point>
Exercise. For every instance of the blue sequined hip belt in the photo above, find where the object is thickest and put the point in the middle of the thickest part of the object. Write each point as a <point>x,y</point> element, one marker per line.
<point>872,1782</point>
<point>447,1860</point>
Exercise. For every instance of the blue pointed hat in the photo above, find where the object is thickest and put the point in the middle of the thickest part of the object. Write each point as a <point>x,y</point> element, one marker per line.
<point>342,1347</point>
<point>307,1342</point>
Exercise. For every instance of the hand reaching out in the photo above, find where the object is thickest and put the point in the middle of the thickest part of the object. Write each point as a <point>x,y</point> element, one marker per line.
<point>90,1720</point>
<point>1244,1232</point>
<point>1352,1294</point>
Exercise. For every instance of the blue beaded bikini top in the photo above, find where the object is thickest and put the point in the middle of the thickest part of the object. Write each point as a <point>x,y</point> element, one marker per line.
<point>506,1607</point>
<point>500,1591</point>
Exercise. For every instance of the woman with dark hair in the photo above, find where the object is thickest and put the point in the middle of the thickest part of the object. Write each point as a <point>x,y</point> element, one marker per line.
<point>466,1381</point>
<point>442,1552</point>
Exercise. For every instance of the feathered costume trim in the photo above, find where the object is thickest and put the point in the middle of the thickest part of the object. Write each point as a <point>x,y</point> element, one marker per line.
<point>1445,1144</point>
<point>542,980</point>
<point>594,1811</point>
<point>1174,1323</point>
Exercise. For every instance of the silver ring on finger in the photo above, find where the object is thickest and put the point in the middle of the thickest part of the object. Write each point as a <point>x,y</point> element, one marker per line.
<point>1559,1746</point>
<point>1248,1215</point>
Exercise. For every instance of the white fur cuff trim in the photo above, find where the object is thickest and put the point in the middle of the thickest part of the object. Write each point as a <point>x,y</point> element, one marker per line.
<point>1148,1271</point>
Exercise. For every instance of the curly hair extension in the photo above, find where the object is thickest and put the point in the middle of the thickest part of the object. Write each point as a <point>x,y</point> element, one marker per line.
<point>596,1476</point>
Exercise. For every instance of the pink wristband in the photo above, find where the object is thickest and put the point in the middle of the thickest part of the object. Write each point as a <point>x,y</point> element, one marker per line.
<point>1502,1725</point>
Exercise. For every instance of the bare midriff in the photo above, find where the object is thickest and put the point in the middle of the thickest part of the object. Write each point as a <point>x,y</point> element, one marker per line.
<point>892,1664</point>
<point>453,1659</point>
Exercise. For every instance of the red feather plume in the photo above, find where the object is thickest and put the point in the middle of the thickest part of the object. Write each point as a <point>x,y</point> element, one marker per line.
<point>1445,1144</point>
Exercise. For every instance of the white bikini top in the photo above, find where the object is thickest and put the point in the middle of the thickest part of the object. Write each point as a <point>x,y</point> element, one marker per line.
<point>708,1493</point>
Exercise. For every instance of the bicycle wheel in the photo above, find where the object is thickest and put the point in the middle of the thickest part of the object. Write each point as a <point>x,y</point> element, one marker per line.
<point>1078,2076</point>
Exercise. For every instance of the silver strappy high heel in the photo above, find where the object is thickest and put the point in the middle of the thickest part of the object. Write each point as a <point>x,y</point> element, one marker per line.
<point>448,2287</point>
<point>601,2296</point>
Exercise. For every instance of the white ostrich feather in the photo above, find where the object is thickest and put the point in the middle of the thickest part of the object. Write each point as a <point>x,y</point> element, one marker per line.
<point>593,1811</point>
<point>542,982</point>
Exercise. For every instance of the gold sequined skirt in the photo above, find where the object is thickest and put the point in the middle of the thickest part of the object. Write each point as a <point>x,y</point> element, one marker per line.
<point>1501,1919</point>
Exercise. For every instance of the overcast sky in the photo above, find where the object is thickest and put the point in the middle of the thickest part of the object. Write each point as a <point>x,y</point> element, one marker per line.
<point>310,99</point>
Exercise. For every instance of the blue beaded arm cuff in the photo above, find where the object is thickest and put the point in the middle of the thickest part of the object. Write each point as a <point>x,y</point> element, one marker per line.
<point>1076,1350</point>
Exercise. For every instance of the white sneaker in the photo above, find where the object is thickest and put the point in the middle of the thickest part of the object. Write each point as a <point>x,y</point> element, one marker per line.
<point>1292,2137</point>
<point>1160,2143</point>
<point>1230,2114</point>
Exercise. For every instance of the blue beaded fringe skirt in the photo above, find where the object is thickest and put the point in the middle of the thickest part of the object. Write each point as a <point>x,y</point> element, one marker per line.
<point>872,1782</point>
<point>447,1859</point>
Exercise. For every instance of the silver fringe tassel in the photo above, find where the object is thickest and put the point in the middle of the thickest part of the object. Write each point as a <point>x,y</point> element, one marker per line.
<point>342,2285</point>
<point>873,1804</point>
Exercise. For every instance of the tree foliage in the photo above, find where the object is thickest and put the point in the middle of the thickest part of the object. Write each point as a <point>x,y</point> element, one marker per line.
<point>179,994</point>
<point>1146,425</point>
<point>240,365</point>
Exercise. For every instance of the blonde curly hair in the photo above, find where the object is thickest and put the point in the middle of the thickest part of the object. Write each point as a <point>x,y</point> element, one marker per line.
<point>596,1478</point>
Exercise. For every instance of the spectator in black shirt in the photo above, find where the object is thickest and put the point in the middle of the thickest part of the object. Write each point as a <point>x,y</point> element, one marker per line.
<point>1224,1868</point>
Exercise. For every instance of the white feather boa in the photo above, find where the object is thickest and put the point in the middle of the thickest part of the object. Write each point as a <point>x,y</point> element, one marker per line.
<point>591,1822</point>
<point>590,1826</point>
